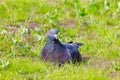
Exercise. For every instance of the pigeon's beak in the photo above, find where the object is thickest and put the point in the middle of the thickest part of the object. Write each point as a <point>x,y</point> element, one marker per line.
<point>55,35</point>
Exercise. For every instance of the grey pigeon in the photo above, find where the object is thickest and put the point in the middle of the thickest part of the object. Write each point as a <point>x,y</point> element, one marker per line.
<point>54,51</point>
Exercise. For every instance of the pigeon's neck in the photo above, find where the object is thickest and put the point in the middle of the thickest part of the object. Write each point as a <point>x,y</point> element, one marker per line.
<point>52,41</point>
<point>54,45</point>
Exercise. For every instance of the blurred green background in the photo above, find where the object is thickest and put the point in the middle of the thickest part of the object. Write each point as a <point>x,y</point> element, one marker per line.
<point>23,30</point>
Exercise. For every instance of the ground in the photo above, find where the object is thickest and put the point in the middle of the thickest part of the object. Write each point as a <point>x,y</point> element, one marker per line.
<point>23,30</point>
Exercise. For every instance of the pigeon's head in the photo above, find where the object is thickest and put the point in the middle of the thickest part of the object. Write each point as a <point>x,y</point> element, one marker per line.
<point>53,33</point>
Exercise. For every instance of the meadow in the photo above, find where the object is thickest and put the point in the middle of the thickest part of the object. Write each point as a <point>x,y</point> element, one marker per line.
<point>23,31</point>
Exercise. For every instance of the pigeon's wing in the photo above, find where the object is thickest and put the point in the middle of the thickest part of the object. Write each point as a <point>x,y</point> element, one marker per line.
<point>73,48</point>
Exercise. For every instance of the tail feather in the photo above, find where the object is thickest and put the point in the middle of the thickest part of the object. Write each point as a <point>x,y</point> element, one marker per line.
<point>76,44</point>
<point>79,44</point>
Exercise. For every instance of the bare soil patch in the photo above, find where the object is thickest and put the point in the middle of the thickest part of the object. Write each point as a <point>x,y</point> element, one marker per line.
<point>96,61</point>
<point>33,25</point>
<point>67,23</point>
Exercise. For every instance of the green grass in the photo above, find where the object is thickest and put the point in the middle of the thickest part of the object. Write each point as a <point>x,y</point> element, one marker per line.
<point>23,30</point>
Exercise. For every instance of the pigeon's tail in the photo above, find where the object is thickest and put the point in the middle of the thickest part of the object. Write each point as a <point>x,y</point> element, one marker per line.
<point>77,45</point>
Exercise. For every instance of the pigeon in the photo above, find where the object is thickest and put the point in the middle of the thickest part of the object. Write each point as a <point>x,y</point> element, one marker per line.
<point>54,51</point>
<point>57,52</point>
